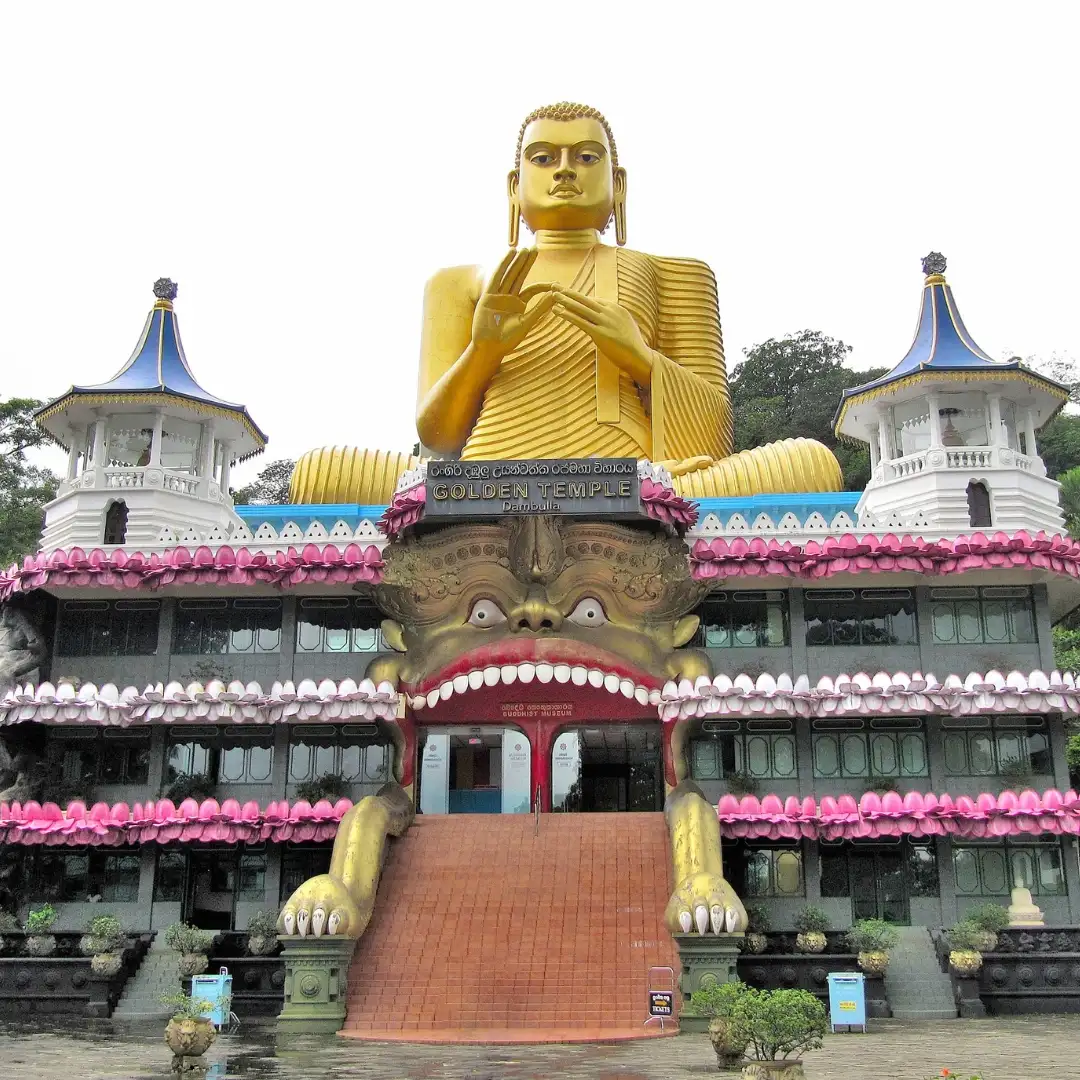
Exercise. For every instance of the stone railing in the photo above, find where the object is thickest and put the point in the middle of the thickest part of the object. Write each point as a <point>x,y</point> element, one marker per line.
<point>970,458</point>
<point>129,478</point>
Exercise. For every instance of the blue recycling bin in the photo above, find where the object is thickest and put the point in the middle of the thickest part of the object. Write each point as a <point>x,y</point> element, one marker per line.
<point>847,999</point>
<point>216,991</point>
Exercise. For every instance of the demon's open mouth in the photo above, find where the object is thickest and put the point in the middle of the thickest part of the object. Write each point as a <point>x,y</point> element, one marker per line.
<point>562,661</point>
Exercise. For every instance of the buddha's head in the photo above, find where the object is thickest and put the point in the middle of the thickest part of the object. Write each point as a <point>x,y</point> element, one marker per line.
<point>567,173</point>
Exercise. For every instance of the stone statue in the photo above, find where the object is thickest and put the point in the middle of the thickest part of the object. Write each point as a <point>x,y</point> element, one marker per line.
<point>540,590</point>
<point>574,348</point>
<point>22,649</point>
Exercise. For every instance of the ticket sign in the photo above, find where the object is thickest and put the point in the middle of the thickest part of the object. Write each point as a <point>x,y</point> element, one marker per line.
<point>592,487</point>
<point>661,1003</point>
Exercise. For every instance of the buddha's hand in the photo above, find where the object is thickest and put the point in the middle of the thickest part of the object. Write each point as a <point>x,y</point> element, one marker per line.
<point>322,905</point>
<point>611,326</point>
<point>503,317</point>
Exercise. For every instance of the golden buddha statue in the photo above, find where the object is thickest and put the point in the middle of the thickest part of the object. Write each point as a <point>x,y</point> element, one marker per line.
<point>574,348</point>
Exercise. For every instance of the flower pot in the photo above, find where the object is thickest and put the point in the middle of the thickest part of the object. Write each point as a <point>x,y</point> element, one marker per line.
<point>41,945</point>
<point>965,962</point>
<point>813,941</point>
<point>773,1070</point>
<point>729,1053</point>
<point>192,964</point>
<point>756,943</point>
<point>106,964</point>
<point>985,940</point>
<point>90,945</point>
<point>261,946</point>
<point>874,963</point>
<point>188,1037</point>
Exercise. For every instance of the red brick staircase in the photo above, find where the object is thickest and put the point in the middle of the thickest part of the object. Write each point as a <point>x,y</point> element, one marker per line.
<point>488,931</point>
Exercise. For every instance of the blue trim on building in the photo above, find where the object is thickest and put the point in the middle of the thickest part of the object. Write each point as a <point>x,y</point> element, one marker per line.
<point>304,515</point>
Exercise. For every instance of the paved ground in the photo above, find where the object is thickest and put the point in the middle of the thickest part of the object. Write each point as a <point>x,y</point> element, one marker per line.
<point>1011,1048</point>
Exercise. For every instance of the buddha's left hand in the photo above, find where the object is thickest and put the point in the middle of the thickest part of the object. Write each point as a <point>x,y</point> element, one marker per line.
<point>611,326</point>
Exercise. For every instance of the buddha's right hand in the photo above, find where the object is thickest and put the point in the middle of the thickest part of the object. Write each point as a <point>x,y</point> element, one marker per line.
<point>503,317</point>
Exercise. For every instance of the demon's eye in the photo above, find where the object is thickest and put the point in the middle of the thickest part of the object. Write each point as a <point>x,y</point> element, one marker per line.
<point>486,613</point>
<point>588,612</point>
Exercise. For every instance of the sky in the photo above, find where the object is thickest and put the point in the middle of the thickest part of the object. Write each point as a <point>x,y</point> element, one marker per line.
<point>301,169</point>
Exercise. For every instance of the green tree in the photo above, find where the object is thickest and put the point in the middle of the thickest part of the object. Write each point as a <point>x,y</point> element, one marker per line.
<point>1070,500</point>
<point>24,488</point>
<point>789,387</point>
<point>1059,444</point>
<point>269,488</point>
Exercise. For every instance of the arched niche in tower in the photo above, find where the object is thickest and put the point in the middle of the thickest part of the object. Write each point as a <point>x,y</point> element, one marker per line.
<point>978,500</point>
<point>116,522</point>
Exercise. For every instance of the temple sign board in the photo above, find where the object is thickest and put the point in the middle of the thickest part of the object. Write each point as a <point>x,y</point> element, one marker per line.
<point>585,487</point>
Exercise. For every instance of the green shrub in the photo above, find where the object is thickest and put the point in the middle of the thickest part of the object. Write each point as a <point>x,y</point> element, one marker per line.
<point>988,916</point>
<point>187,939</point>
<point>199,786</point>
<point>184,1006</point>
<point>263,924</point>
<point>778,1023</point>
<point>757,919</point>
<point>107,933</point>
<point>8,922</point>
<point>718,1000</point>
<point>812,920</point>
<point>965,935</point>
<point>40,920</point>
<point>329,786</point>
<point>872,935</point>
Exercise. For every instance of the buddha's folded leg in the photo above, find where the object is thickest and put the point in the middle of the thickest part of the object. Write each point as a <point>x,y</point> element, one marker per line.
<point>788,466</point>
<point>347,474</point>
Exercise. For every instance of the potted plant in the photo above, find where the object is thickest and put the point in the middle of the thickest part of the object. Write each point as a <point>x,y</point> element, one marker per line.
<point>104,942</point>
<point>811,922</point>
<point>872,939</point>
<point>189,1033</point>
<point>1015,773</point>
<point>757,926</point>
<point>262,933</point>
<point>198,786</point>
<point>777,1025</point>
<point>718,1003</point>
<point>8,924</point>
<point>329,786</point>
<point>991,919</point>
<point>742,783</point>
<point>192,944</point>
<point>39,942</point>
<point>964,956</point>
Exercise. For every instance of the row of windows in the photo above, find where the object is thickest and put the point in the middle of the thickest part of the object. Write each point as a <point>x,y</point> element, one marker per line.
<point>991,615</point>
<point>979,870</point>
<point>123,756</point>
<point>55,876</point>
<point>219,626</point>
<point>892,747</point>
<point>215,627</point>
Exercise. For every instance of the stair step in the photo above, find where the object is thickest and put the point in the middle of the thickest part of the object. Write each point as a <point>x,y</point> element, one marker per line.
<point>481,925</point>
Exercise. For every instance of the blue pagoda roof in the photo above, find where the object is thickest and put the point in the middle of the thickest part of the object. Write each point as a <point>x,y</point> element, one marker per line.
<point>159,367</point>
<point>943,345</point>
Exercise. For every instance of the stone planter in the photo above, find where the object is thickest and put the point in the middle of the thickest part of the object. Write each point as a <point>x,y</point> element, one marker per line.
<point>874,963</point>
<point>813,941</point>
<point>756,943</point>
<point>773,1070</point>
<point>106,964</point>
<point>965,962</point>
<point>729,1056</point>
<point>189,1038</point>
<point>41,944</point>
<point>190,964</point>
<point>316,980</point>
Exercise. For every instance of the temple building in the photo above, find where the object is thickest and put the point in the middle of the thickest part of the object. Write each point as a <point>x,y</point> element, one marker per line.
<point>858,685</point>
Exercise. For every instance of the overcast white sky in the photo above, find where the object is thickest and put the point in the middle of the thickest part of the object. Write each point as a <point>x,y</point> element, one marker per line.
<point>301,169</point>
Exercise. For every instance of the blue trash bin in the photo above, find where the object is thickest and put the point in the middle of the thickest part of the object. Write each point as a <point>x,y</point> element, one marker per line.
<point>216,991</point>
<point>847,1000</point>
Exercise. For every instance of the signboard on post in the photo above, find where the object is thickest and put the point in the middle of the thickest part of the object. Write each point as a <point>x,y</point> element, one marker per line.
<point>577,487</point>
<point>661,1003</point>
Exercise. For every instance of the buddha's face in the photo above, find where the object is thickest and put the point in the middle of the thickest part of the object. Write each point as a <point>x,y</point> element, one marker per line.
<point>565,178</point>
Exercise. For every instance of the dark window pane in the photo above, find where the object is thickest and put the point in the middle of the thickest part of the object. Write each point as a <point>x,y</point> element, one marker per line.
<point>252,883</point>
<point>169,876</point>
<point>299,864</point>
<point>117,881</point>
<point>834,874</point>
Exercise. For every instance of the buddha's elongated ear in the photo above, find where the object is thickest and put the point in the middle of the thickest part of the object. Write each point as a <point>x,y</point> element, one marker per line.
<point>512,180</point>
<point>619,176</point>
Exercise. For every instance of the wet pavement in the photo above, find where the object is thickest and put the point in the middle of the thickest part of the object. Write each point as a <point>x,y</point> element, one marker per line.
<point>1006,1048</point>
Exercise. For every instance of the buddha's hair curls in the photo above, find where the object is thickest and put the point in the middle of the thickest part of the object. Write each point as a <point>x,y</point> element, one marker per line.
<point>567,110</point>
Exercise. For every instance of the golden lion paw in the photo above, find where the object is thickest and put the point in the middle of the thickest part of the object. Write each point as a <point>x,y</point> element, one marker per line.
<point>706,901</point>
<point>322,905</point>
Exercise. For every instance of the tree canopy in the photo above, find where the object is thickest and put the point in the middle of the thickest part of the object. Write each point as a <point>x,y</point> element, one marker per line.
<point>24,488</point>
<point>789,387</point>
<point>269,488</point>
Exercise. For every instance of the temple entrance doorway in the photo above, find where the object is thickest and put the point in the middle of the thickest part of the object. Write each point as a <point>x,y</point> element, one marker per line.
<point>607,768</point>
<point>210,893</point>
<point>878,889</point>
<point>474,770</point>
